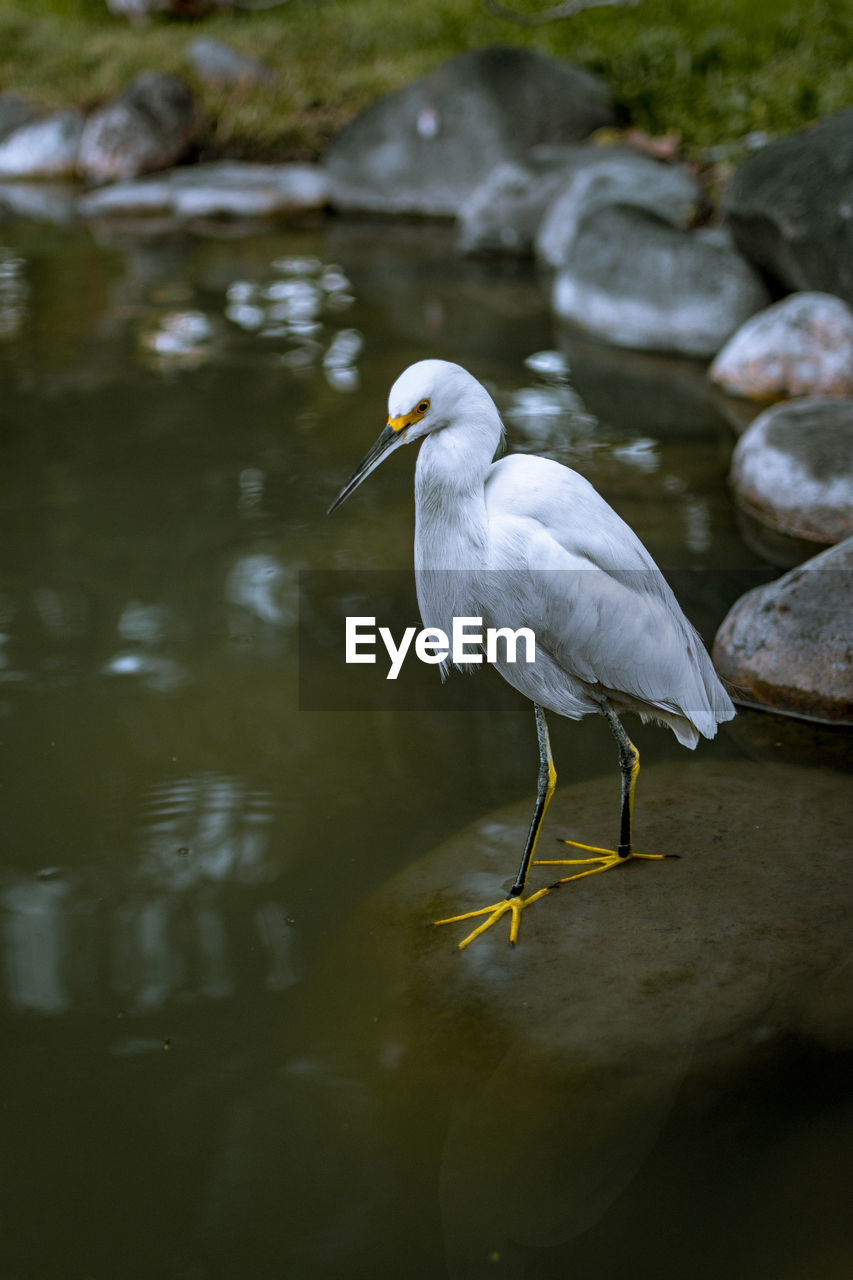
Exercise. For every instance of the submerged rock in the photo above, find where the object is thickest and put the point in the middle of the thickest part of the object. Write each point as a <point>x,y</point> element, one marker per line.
<point>801,346</point>
<point>226,189</point>
<point>635,281</point>
<point>789,207</point>
<point>148,127</point>
<point>538,1080</point>
<point>425,148</point>
<point>793,469</point>
<point>46,148</point>
<point>787,646</point>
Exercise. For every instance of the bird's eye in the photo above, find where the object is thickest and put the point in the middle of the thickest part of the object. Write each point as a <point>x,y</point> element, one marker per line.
<point>423,406</point>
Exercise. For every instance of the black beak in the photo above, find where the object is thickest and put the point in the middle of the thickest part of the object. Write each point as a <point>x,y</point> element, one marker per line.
<point>388,441</point>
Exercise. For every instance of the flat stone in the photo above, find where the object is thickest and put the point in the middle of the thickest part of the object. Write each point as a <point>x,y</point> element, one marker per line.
<point>425,148</point>
<point>635,281</point>
<point>788,646</point>
<point>146,128</point>
<point>793,469</point>
<point>613,177</point>
<point>46,148</point>
<point>537,1079</point>
<point>226,189</point>
<point>789,207</point>
<point>217,63</point>
<point>801,346</point>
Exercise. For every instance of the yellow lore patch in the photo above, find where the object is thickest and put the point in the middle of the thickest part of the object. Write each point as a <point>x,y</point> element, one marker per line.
<point>406,419</point>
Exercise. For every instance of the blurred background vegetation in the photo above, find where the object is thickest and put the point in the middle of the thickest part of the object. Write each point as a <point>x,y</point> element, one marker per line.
<point>715,71</point>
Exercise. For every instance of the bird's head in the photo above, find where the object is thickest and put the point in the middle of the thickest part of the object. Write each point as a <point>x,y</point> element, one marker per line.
<point>425,398</point>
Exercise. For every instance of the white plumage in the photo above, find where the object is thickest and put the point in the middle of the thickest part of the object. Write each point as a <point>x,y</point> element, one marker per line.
<point>525,541</point>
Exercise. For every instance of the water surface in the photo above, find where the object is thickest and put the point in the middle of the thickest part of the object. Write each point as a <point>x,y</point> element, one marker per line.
<point>182,844</point>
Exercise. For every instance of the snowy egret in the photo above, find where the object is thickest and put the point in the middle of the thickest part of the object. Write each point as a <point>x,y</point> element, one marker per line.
<point>525,541</point>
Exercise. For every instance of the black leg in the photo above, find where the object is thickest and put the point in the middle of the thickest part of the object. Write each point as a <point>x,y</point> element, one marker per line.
<point>629,767</point>
<point>547,781</point>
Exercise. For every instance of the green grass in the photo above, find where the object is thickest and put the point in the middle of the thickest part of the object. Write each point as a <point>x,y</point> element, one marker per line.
<point>714,70</point>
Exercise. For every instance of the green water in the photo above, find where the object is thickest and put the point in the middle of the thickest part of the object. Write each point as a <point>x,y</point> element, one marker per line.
<point>182,846</point>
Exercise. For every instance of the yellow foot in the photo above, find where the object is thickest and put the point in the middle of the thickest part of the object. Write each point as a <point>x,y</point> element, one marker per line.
<point>514,905</point>
<point>605,858</point>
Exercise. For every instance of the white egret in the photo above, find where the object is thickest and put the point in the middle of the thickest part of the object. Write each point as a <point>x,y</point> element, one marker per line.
<point>525,541</point>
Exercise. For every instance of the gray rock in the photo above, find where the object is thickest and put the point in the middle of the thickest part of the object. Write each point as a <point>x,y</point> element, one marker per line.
<point>793,469</point>
<point>426,148</point>
<point>46,148</point>
<point>635,281</point>
<point>540,1079</point>
<point>615,177</point>
<point>14,112</point>
<point>218,63</point>
<point>228,189</point>
<point>543,200</point>
<point>801,346</point>
<point>787,646</point>
<point>148,127</point>
<point>503,213</point>
<point>790,207</point>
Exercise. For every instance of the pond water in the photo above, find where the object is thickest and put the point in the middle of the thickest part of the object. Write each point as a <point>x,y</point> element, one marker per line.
<point>185,838</point>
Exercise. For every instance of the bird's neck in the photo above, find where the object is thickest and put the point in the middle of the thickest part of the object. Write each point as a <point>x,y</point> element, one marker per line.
<point>451,528</point>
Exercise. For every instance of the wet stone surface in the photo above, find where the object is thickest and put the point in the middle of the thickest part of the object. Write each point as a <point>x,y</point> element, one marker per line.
<point>787,646</point>
<point>792,469</point>
<point>561,1059</point>
<point>633,280</point>
<point>801,346</point>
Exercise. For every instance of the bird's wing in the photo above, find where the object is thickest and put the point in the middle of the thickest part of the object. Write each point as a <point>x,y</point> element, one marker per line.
<point>565,505</point>
<point>564,564</point>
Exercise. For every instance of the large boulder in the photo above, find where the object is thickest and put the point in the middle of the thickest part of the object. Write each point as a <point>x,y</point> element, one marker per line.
<point>792,470</point>
<point>615,177</point>
<point>425,148</point>
<point>786,646</point>
<point>789,207</point>
<point>801,346</point>
<point>635,281</point>
<point>148,127</point>
<point>46,148</point>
